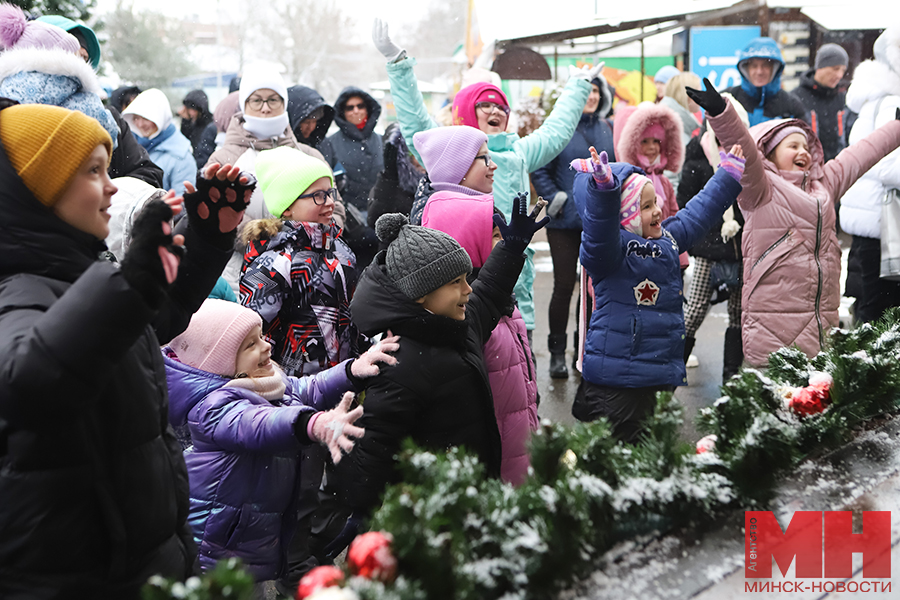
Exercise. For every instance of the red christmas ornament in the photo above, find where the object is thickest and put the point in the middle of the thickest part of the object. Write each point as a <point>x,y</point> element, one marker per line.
<point>707,444</point>
<point>370,556</point>
<point>318,578</point>
<point>808,401</point>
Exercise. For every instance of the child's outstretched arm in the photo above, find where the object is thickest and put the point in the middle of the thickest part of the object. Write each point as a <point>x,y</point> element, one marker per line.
<point>408,100</point>
<point>597,196</point>
<point>547,141</point>
<point>855,160</point>
<point>703,211</point>
<point>730,131</point>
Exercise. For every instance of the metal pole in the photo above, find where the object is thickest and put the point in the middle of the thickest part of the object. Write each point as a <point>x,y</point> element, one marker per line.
<point>642,66</point>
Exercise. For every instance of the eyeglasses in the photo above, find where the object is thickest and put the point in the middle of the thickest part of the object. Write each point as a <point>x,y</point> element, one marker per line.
<point>488,107</point>
<point>256,103</point>
<point>486,158</point>
<point>320,196</point>
<point>349,107</point>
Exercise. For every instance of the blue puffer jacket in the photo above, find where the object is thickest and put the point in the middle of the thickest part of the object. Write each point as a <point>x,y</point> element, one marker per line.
<point>175,156</point>
<point>556,176</point>
<point>636,334</point>
<point>244,464</point>
<point>769,101</point>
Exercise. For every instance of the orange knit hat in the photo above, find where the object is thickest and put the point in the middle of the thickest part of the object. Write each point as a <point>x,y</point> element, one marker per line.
<point>47,144</point>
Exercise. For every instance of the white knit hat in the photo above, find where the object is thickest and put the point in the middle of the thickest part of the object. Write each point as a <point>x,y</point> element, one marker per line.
<point>261,76</point>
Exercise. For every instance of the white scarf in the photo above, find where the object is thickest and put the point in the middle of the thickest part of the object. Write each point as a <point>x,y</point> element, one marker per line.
<point>270,388</point>
<point>267,128</point>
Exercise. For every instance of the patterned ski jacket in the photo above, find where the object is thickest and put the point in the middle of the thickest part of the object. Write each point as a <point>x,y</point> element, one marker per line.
<point>301,280</point>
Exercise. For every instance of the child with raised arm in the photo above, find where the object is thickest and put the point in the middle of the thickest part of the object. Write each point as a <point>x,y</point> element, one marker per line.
<point>248,422</point>
<point>791,254</point>
<point>635,340</point>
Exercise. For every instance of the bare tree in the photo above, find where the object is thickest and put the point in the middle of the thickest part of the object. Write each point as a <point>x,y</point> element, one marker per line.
<point>434,39</point>
<point>146,48</point>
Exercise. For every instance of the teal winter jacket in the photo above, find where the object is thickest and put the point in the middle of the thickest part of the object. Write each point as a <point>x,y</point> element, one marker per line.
<point>515,157</point>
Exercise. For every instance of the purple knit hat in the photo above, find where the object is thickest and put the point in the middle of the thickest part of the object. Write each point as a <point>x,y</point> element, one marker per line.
<point>779,136</point>
<point>448,152</point>
<point>17,32</point>
<point>214,335</point>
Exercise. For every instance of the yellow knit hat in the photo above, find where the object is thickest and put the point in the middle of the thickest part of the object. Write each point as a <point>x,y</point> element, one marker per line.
<point>47,144</point>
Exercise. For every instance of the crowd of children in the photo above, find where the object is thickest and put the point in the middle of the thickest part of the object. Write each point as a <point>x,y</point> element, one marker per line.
<point>102,361</point>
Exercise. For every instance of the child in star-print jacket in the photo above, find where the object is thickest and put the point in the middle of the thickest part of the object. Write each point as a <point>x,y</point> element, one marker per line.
<point>635,341</point>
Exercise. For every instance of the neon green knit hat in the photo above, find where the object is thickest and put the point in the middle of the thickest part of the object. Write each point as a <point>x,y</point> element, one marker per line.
<point>285,173</point>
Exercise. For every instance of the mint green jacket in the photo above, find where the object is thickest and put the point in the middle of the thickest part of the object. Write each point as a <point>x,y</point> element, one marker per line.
<point>515,157</point>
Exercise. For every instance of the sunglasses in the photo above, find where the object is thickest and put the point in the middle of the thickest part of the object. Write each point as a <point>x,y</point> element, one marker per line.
<point>349,107</point>
<point>320,196</point>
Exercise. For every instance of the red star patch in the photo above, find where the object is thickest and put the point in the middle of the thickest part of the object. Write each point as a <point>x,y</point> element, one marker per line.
<point>646,293</point>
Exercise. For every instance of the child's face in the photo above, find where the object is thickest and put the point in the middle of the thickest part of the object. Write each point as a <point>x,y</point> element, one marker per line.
<point>480,176</point>
<point>651,214</point>
<point>306,209</point>
<point>145,127</point>
<point>491,117</point>
<point>449,300</point>
<point>650,148</point>
<point>792,154</point>
<point>85,202</point>
<point>254,356</point>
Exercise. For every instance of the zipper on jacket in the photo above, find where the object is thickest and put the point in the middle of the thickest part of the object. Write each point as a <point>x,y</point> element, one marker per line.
<point>769,250</point>
<point>819,270</point>
<point>803,183</point>
<point>527,356</point>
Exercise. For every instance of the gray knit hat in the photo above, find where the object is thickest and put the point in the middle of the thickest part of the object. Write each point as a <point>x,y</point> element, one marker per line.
<point>831,55</point>
<point>420,260</point>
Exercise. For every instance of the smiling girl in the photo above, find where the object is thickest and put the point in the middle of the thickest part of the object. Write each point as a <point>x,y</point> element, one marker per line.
<point>635,339</point>
<point>792,258</point>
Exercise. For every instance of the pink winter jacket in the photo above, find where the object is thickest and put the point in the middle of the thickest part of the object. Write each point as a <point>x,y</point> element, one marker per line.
<point>507,356</point>
<point>792,260</point>
<point>511,373</point>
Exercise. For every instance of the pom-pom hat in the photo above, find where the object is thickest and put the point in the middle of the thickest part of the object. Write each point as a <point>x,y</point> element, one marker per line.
<point>214,335</point>
<point>419,260</point>
<point>16,31</point>
<point>47,145</point>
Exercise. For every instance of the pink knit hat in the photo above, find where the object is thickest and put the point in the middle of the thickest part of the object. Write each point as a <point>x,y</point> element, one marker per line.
<point>467,219</point>
<point>630,210</point>
<point>656,131</point>
<point>779,136</point>
<point>448,152</point>
<point>214,335</point>
<point>17,32</point>
<point>465,100</point>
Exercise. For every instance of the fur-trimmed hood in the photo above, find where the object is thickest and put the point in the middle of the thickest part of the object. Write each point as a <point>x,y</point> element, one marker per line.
<point>646,114</point>
<point>873,79</point>
<point>52,62</point>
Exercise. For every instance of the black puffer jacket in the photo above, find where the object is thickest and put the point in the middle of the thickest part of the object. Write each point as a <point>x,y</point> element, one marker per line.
<point>93,484</point>
<point>358,150</point>
<point>395,187</point>
<point>438,393</point>
<point>200,130</point>
<point>302,102</point>
<point>827,112</point>
<point>694,175</point>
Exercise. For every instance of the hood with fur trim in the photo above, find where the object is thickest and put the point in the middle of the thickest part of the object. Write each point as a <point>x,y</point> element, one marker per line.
<point>763,132</point>
<point>873,79</point>
<point>636,122</point>
<point>50,62</point>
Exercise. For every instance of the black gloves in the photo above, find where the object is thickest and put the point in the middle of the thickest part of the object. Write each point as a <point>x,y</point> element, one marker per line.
<point>710,100</point>
<point>517,235</point>
<point>142,266</point>
<point>214,210</point>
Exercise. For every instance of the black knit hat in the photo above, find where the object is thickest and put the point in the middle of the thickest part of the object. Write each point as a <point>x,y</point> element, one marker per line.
<point>420,260</point>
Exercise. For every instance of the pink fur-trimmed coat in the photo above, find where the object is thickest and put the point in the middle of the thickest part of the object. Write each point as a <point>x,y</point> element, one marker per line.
<point>631,125</point>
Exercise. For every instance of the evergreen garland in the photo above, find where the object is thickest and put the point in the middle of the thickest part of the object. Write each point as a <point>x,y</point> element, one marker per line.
<point>457,534</point>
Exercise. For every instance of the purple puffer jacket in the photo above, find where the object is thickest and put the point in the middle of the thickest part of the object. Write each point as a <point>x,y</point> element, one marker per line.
<point>244,464</point>
<point>511,373</point>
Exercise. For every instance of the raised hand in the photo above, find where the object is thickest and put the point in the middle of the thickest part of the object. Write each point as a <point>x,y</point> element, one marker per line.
<point>151,262</point>
<point>733,162</point>
<point>335,427</point>
<point>215,207</point>
<point>709,100</point>
<point>598,166</point>
<point>586,72</point>
<point>367,364</point>
<point>522,227</point>
<point>382,40</point>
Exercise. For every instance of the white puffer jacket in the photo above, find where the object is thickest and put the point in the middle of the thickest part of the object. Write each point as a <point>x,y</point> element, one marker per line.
<point>876,84</point>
